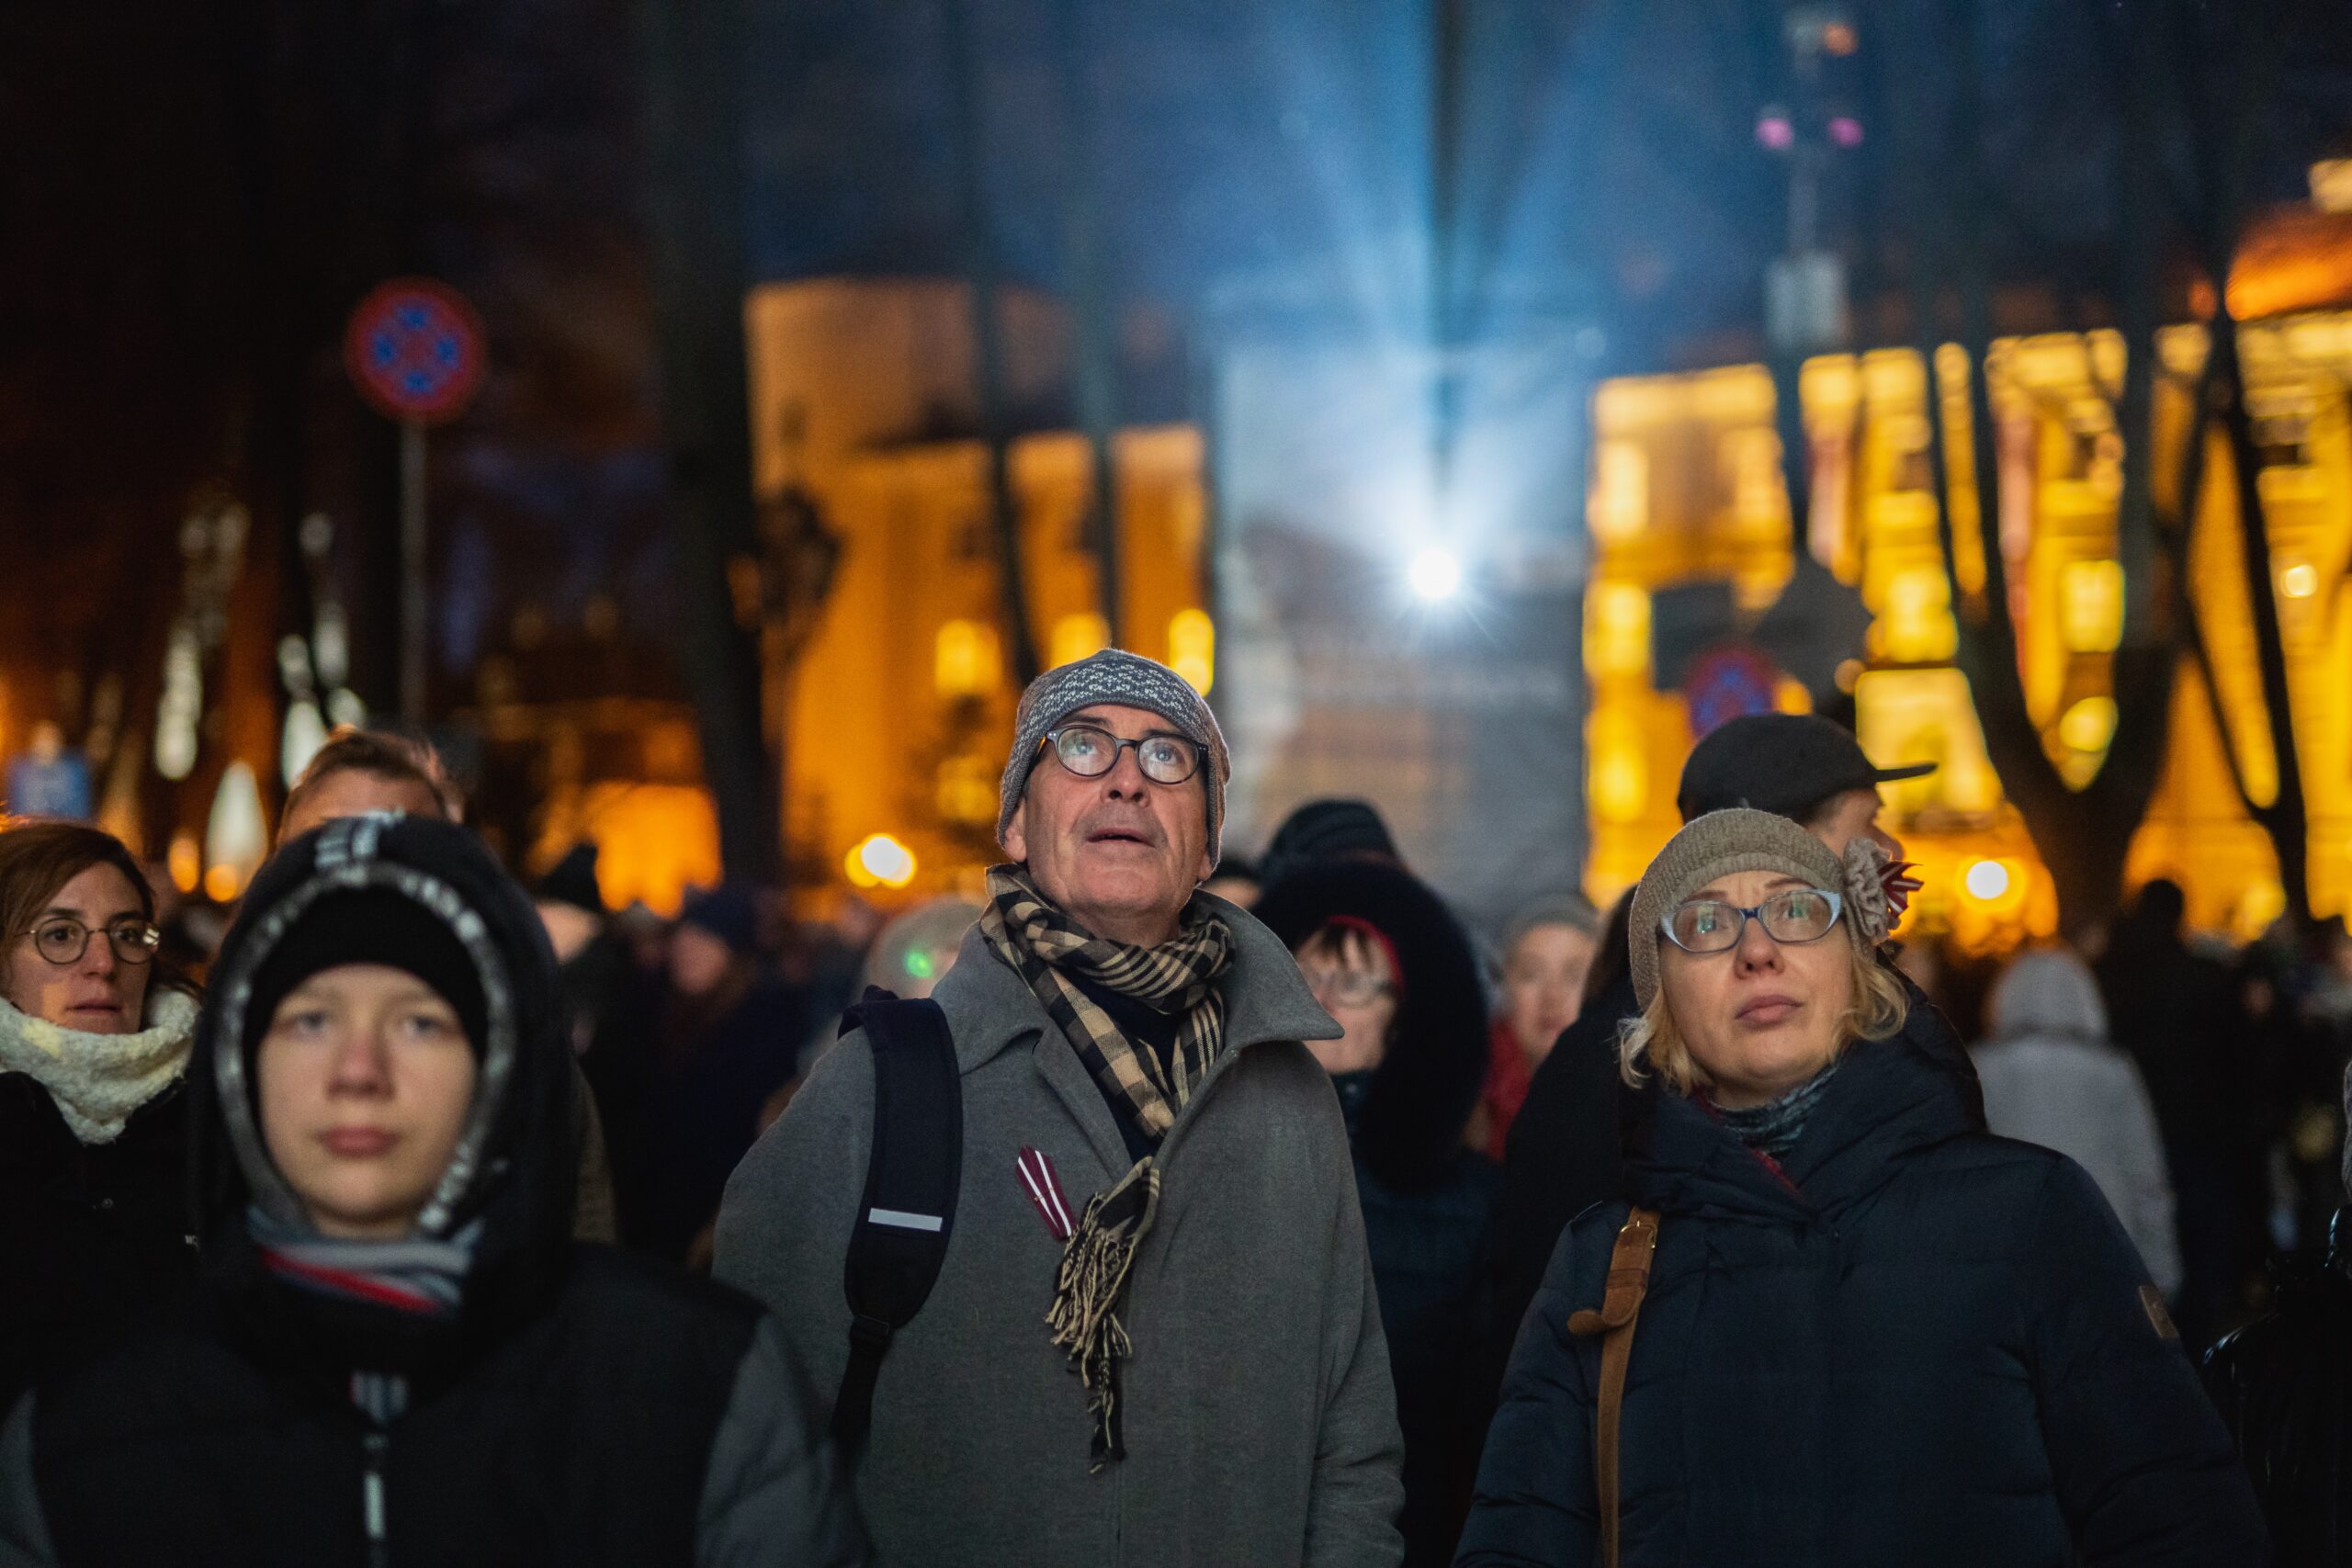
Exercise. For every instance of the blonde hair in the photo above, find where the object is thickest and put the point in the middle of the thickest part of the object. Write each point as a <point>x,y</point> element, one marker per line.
<point>1877,1010</point>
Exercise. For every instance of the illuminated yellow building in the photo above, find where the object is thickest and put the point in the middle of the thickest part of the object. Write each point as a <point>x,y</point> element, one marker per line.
<point>895,723</point>
<point>1686,484</point>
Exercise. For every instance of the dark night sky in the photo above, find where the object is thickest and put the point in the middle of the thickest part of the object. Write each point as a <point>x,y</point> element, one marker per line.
<point>190,198</point>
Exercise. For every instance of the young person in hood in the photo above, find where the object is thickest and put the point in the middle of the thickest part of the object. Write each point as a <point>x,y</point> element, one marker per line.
<point>93,1126</point>
<point>359,771</point>
<point>1838,1325</point>
<point>1389,962</point>
<point>397,1352</point>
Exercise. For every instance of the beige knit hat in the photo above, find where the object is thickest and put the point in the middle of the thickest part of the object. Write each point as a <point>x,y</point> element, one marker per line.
<point>1724,842</point>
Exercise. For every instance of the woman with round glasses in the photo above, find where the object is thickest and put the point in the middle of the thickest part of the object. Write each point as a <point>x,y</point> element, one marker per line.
<point>1835,1325</point>
<point>93,1044</point>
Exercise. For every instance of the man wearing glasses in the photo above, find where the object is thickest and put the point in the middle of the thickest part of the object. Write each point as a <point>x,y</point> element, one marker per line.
<point>1153,1338</point>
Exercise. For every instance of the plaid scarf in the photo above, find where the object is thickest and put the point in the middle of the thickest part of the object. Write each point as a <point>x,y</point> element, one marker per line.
<point>1044,948</point>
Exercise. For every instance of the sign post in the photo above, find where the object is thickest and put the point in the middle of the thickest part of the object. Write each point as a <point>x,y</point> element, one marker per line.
<point>414,350</point>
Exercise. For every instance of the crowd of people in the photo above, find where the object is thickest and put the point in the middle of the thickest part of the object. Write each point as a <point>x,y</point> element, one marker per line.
<point>1158,1207</point>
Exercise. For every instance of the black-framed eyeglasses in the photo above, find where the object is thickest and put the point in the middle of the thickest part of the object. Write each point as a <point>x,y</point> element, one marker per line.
<point>61,939</point>
<point>1793,916</point>
<point>1089,751</point>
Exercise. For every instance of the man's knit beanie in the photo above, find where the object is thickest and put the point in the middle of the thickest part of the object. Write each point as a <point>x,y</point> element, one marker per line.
<point>1126,680</point>
<point>1722,843</point>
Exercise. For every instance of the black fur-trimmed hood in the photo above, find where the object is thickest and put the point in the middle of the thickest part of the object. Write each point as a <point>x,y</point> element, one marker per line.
<point>1409,1132</point>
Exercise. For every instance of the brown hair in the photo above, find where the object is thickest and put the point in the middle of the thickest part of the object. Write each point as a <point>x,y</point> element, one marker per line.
<point>38,858</point>
<point>383,755</point>
<point>1352,944</point>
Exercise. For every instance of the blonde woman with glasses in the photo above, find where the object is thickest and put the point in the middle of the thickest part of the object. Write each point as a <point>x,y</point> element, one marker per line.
<point>1836,1325</point>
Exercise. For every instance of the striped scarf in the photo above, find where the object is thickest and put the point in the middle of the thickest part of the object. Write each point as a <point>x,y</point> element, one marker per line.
<point>1044,948</point>
<point>421,1277</point>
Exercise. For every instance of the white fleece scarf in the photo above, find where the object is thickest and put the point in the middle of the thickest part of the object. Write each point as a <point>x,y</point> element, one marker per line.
<point>98,1080</point>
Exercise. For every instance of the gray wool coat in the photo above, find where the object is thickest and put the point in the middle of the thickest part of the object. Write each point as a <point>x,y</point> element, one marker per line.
<point>1260,1423</point>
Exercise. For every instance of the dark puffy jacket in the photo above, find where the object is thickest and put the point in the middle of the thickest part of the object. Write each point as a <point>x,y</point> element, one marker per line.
<point>1913,1343</point>
<point>2284,1383</point>
<point>1427,1198</point>
<point>1564,1155</point>
<point>89,1233</point>
<point>580,1408</point>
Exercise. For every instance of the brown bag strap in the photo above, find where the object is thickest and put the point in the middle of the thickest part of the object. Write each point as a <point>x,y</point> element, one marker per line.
<point>1620,1303</point>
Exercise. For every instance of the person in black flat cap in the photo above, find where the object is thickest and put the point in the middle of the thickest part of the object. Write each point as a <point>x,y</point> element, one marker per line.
<point>397,1352</point>
<point>1564,1153</point>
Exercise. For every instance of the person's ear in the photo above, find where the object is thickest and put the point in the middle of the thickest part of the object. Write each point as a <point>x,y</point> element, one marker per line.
<point>1016,837</point>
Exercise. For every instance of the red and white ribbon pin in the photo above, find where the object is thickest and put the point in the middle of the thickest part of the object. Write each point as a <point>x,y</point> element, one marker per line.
<point>1044,1190</point>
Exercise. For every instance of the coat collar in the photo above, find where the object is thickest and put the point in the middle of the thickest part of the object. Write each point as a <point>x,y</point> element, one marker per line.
<point>1266,998</point>
<point>991,1010</point>
<point>1889,1099</point>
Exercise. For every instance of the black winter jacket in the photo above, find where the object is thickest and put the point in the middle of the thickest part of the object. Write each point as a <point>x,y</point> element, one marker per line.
<point>1915,1343</point>
<point>89,1233</point>
<point>1427,1198</point>
<point>1565,1156</point>
<point>2284,1383</point>
<point>582,1407</point>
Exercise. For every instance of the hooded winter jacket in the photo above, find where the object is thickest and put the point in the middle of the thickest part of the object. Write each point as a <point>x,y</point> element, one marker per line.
<point>579,1407</point>
<point>1427,1199</point>
<point>1910,1343</point>
<point>2051,1077</point>
<point>1260,1427</point>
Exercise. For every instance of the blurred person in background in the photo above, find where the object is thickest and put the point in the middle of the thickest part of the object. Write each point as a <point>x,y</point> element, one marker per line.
<point>607,1006</point>
<point>399,1352</point>
<point>368,770</point>
<point>1389,962</point>
<point>1235,881</point>
<point>2051,1077</point>
<point>728,1038</point>
<point>2174,1010</point>
<point>2284,1385</point>
<point>912,953</point>
<point>1324,831</point>
<point>1546,956</point>
<point>93,1042</point>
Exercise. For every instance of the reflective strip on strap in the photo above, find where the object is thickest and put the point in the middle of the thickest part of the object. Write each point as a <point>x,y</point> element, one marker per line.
<point>899,1219</point>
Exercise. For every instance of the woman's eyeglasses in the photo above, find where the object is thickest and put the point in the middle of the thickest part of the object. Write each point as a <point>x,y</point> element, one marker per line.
<point>1711,925</point>
<point>62,939</point>
<point>1346,988</point>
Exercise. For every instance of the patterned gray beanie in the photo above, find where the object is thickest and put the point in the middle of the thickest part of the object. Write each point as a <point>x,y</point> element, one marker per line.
<point>1724,842</point>
<point>1127,680</point>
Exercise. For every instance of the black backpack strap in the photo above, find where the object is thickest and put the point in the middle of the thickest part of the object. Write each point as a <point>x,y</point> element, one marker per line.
<point>909,1206</point>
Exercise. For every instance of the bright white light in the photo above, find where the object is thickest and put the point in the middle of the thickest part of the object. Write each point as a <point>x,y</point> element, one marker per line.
<point>1435,574</point>
<point>1986,880</point>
